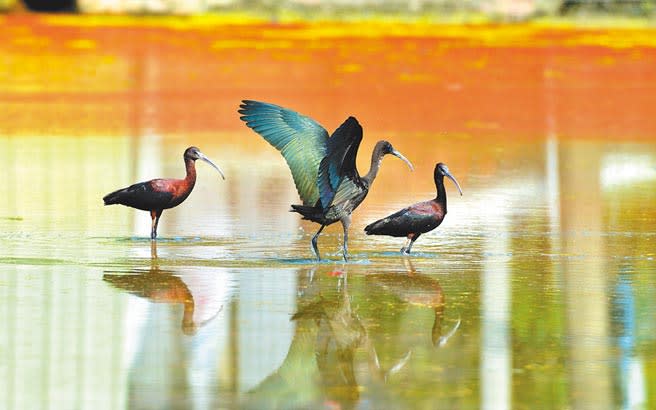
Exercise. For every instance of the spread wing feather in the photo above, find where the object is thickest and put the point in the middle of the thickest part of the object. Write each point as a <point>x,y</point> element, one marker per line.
<point>300,140</point>
<point>338,166</point>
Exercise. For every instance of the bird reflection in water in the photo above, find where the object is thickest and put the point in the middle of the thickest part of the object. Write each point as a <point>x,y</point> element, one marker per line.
<point>339,334</point>
<point>160,286</point>
<point>333,359</point>
<point>419,290</point>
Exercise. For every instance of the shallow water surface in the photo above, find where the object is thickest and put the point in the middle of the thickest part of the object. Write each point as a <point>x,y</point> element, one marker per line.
<point>536,292</point>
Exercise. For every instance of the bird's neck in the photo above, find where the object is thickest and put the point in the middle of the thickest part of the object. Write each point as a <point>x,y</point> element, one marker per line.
<point>190,178</point>
<point>441,191</point>
<point>376,159</point>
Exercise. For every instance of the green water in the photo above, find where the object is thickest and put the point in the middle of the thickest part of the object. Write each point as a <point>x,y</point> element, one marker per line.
<point>536,292</point>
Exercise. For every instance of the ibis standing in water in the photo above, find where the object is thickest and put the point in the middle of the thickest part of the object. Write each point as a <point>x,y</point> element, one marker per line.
<point>157,195</point>
<point>419,218</point>
<point>323,168</point>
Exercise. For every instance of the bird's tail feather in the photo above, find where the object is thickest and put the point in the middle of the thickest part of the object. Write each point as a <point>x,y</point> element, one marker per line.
<point>375,228</point>
<point>114,197</point>
<point>308,212</point>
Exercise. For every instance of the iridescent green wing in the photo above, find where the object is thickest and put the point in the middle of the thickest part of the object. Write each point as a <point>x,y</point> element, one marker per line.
<point>300,140</point>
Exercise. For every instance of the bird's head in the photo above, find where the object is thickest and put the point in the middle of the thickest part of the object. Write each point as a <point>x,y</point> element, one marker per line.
<point>386,147</point>
<point>441,171</point>
<point>193,153</point>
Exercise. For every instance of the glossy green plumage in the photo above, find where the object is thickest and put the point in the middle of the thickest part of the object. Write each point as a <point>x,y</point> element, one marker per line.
<point>323,168</point>
<point>300,140</point>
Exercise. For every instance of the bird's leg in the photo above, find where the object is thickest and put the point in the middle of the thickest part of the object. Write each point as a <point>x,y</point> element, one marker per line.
<point>153,226</point>
<point>346,222</point>
<point>404,250</point>
<point>315,248</point>
<point>154,215</point>
<point>412,240</point>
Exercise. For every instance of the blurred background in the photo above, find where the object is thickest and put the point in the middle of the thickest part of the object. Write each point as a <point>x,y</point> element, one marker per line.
<point>502,10</point>
<point>536,292</point>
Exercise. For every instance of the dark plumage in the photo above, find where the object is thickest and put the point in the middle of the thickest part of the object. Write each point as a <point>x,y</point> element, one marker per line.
<point>157,195</point>
<point>419,218</point>
<point>323,168</point>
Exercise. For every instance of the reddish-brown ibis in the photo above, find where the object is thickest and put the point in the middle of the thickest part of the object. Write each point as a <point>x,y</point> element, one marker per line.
<point>419,218</point>
<point>157,195</point>
<point>323,168</point>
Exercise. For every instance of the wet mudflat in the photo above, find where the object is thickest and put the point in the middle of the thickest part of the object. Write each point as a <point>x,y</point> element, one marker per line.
<point>536,292</point>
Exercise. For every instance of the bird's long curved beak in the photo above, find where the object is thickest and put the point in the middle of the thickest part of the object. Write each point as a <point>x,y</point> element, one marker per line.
<point>404,159</point>
<point>204,158</point>
<point>452,178</point>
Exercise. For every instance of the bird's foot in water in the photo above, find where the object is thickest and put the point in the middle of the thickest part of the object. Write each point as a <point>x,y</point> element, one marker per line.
<point>315,252</point>
<point>315,249</point>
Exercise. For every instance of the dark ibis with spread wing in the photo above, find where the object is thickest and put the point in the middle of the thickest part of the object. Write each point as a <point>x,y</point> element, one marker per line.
<point>157,195</point>
<point>419,218</point>
<point>323,168</point>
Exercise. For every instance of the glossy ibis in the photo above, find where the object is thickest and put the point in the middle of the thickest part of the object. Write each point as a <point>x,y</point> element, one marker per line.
<point>157,195</point>
<point>323,168</point>
<point>419,218</point>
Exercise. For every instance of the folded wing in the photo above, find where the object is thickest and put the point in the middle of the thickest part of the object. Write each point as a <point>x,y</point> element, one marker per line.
<point>338,175</point>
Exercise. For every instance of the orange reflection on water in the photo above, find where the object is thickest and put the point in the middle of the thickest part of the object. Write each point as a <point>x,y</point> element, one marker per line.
<point>121,76</point>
